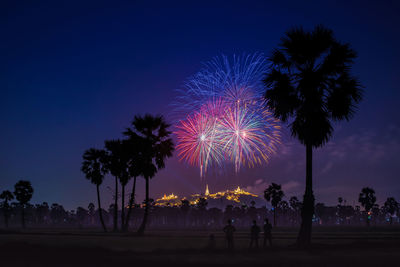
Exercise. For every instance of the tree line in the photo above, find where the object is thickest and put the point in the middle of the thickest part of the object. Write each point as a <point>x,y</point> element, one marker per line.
<point>339,214</point>
<point>285,213</point>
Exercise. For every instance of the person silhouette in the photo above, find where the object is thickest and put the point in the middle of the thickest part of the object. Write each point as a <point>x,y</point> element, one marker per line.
<point>267,233</point>
<point>229,229</point>
<point>254,234</point>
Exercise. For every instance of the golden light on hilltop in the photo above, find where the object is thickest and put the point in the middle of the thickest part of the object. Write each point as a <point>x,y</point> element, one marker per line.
<point>240,191</point>
<point>232,195</point>
<point>169,197</point>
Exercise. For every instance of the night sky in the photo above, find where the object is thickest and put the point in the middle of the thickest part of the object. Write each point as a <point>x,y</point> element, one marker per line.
<point>74,74</point>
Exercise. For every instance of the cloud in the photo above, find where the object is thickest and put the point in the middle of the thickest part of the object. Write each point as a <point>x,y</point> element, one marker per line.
<point>327,167</point>
<point>290,188</point>
<point>257,187</point>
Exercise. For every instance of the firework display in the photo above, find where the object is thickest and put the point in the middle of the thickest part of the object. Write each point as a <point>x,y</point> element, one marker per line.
<point>226,119</point>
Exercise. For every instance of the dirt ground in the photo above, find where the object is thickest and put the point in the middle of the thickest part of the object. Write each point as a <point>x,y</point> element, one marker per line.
<point>66,247</point>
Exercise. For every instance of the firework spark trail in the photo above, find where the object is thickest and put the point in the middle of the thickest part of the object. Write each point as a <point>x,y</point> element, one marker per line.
<point>244,131</point>
<point>227,118</point>
<point>238,79</point>
<point>197,141</point>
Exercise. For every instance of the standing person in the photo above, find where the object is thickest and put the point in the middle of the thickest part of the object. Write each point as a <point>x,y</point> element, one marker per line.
<point>254,234</point>
<point>267,233</point>
<point>229,229</point>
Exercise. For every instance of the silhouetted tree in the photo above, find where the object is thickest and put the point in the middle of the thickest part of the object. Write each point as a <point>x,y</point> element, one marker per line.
<point>201,206</point>
<point>117,165</point>
<point>111,210</point>
<point>91,211</point>
<point>23,192</point>
<point>283,208</point>
<point>58,214</point>
<point>155,146</point>
<point>391,206</point>
<point>202,203</point>
<point>295,206</point>
<point>42,211</point>
<point>274,194</point>
<point>131,203</point>
<point>6,196</point>
<point>377,213</point>
<point>367,199</point>
<point>93,166</point>
<point>81,215</point>
<point>320,211</point>
<point>309,86</point>
<point>185,207</point>
<point>340,209</point>
<point>134,169</point>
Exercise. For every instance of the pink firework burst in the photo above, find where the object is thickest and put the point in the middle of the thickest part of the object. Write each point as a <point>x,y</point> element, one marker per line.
<point>198,140</point>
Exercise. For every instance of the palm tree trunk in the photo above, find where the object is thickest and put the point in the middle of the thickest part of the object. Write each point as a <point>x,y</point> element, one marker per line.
<point>146,209</point>
<point>122,207</point>
<point>274,216</point>
<point>116,206</point>
<point>100,212</point>
<point>131,201</point>
<point>307,211</point>
<point>23,216</point>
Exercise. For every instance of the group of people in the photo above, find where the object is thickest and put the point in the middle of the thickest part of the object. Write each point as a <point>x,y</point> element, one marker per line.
<point>255,231</point>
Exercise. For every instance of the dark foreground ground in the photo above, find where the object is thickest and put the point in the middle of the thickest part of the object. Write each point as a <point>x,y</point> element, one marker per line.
<point>332,247</point>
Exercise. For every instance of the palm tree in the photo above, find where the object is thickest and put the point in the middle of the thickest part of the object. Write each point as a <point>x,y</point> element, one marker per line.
<point>134,168</point>
<point>117,165</point>
<point>93,166</point>
<point>6,196</point>
<point>310,86</point>
<point>155,146</point>
<point>367,199</point>
<point>23,192</point>
<point>390,206</point>
<point>274,194</point>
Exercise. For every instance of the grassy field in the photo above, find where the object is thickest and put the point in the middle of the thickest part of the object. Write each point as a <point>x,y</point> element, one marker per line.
<point>65,247</point>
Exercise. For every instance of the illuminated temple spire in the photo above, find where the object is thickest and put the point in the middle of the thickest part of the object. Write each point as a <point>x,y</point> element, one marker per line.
<point>207,192</point>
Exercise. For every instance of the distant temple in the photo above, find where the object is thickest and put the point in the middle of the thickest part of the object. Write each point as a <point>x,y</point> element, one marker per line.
<point>227,197</point>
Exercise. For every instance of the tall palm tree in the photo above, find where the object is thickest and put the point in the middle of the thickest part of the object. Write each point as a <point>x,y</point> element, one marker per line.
<point>6,196</point>
<point>310,86</point>
<point>23,192</point>
<point>117,165</point>
<point>93,166</point>
<point>367,199</point>
<point>155,146</point>
<point>274,194</point>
